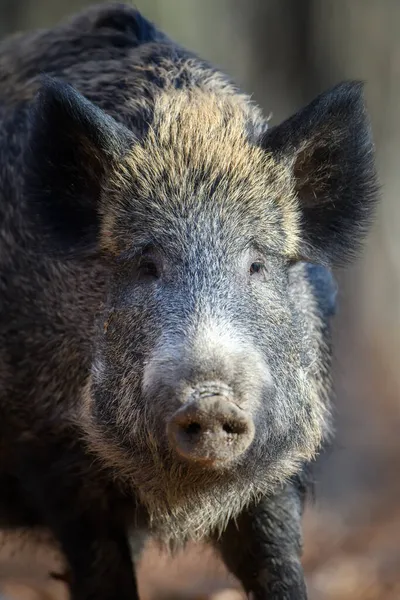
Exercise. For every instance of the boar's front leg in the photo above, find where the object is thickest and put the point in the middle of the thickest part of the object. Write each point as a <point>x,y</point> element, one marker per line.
<point>263,547</point>
<point>100,568</point>
<point>86,524</point>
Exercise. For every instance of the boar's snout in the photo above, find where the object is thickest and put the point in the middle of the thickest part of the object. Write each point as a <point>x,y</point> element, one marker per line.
<point>210,429</point>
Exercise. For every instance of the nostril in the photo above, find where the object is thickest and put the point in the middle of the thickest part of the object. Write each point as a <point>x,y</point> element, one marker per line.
<point>229,428</point>
<point>193,428</point>
<point>235,427</point>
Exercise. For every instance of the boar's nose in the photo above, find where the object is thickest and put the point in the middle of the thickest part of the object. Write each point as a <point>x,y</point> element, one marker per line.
<point>211,430</point>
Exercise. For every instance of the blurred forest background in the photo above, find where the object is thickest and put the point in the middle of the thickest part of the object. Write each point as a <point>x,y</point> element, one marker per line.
<point>285,52</point>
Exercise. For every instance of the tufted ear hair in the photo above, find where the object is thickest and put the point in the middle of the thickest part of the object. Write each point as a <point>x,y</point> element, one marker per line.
<point>72,147</point>
<point>329,150</point>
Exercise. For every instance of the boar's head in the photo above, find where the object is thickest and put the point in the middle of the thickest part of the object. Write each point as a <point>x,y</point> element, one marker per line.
<point>210,369</point>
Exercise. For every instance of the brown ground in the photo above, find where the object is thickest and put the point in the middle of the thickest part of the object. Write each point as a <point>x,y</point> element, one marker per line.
<point>358,562</point>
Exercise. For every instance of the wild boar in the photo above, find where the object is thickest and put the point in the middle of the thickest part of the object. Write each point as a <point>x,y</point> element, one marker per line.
<point>165,300</point>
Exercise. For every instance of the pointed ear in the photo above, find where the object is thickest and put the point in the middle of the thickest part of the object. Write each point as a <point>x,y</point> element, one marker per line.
<point>72,147</point>
<point>329,150</point>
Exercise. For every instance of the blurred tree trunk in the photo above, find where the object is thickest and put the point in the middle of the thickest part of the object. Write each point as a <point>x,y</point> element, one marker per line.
<point>21,15</point>
<point>9,16</point>
<point>359,39</point>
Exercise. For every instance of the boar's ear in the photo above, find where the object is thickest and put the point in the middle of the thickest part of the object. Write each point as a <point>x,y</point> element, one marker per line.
<point>329,149</point>
<point>72,147</point>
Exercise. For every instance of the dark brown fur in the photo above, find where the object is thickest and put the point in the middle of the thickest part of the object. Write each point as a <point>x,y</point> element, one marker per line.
<point>89,370</point>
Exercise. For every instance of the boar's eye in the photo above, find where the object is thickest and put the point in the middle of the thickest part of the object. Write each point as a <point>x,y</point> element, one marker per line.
<point>148,269</point>
<point>256,268</point>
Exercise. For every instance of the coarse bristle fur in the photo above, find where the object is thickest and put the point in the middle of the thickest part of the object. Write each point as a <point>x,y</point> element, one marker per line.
<point>161,245</point>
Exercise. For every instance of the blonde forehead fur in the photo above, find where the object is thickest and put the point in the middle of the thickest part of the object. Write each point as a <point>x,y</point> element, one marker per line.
<point>197,141</point>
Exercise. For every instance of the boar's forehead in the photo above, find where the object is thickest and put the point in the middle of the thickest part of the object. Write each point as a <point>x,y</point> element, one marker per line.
<point>198,165</point>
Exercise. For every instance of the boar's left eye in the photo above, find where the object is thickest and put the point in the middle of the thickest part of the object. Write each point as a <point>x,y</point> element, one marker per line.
<point>256,267</point>
<point>148,270</point>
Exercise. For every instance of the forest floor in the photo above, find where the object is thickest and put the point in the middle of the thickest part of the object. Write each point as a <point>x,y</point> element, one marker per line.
<point>357,562</point>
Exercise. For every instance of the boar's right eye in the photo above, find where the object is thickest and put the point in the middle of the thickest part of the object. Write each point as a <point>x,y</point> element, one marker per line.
<point>256,267</point>
<point>148,270</point>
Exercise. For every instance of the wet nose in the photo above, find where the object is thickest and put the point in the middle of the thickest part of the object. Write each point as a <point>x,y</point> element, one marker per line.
<point>210,430</point>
